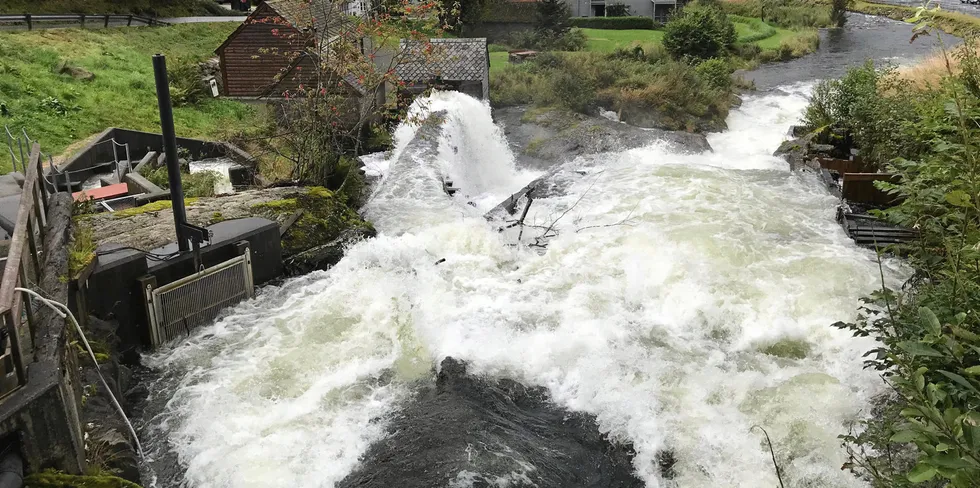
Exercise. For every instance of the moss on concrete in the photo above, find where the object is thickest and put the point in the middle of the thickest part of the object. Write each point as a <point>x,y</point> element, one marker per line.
<point>150,207</point>
<point>52,479</point>
<point>324,218</point>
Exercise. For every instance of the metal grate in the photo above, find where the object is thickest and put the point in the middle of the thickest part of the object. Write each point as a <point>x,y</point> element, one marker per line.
<point>177,308</point>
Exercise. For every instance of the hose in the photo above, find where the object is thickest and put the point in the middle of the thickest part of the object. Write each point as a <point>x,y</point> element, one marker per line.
<point>11,469</point>
<point>53,305</point>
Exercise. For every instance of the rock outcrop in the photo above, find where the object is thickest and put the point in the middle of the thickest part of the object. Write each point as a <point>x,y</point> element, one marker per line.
<point>470,431</point>
<point>542,138</point>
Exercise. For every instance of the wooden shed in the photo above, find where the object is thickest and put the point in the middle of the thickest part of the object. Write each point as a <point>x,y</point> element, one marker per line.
<point>457,64</point>
<point>266,55</point>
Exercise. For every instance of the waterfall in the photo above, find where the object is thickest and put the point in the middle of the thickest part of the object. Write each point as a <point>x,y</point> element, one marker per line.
<point>685,299</point>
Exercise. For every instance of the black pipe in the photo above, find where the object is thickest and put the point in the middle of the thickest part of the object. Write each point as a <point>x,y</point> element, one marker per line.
<point>11,470</point>
<point>170,148</point>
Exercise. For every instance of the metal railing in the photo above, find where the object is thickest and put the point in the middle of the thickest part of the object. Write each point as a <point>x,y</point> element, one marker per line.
<point>23,143</point>
<point>60,176</point>
<point>22,268</point>
<point>177,308</point>
<point>41,21</point>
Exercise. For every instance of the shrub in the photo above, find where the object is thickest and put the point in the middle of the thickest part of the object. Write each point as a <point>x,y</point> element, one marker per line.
<point>717,73</point>
<point>614,23</point>
<point>186,85</point>
<point>573,40</point>
<point>700,32</point>
<point>569,91</point>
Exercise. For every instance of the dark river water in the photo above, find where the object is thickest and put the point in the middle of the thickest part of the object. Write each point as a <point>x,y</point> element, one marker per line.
<point>864,37</point>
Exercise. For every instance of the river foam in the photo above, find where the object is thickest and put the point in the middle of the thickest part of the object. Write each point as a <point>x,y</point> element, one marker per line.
<point>685,299</point>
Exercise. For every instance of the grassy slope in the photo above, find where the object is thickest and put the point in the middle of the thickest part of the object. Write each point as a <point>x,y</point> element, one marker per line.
<point>158,8</point>
<point>955,23</point>
<point>123,92</point>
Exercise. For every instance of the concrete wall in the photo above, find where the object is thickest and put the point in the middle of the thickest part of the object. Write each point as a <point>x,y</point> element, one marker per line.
<point>140,143</point>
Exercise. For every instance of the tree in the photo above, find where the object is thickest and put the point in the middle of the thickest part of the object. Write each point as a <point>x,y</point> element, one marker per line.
<point>618,10</point>
<point>700,32</point>
<point>553,19</point>
<point>337,87</point>
<point>838,12</point>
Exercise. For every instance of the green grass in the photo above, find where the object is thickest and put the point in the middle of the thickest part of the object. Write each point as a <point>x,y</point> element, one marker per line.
<point>774,41</point>
<point>59,110</point>
<point>498,62</point>
<point>166,8</point>
<point>607,40</point>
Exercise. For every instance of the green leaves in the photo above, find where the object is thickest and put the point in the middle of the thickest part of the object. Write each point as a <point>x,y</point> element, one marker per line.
<point>921,473</point>
<point>920,349</point>
<point>929,321</point>
<point>958,198</point>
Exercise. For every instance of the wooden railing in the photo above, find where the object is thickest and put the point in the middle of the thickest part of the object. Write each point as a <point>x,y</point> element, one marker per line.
<point>22,269</point>
<point>33,21</point>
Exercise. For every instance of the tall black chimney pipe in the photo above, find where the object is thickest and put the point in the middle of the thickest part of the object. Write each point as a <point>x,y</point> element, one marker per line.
<point>170,148</point>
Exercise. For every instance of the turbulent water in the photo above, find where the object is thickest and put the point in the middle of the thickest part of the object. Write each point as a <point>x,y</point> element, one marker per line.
<point>685,299</point>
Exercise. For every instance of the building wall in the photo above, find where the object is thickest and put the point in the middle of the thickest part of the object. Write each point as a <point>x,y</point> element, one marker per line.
<point>257,53</point>
<point>585,8</point>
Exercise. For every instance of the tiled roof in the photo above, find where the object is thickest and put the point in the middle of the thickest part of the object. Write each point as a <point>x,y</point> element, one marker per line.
<point>448,59</point>
<point>328,17</point>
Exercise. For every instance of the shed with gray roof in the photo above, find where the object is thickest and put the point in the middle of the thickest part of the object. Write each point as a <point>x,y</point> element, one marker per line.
<point>457,64</point>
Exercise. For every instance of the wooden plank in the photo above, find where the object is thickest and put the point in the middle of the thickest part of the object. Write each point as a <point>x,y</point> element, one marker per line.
<point>860,188</point>
<point>18,241</point>
<point>111,191</point>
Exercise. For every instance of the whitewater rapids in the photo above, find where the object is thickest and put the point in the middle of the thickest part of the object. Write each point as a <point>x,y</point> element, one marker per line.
<point>703,310</point>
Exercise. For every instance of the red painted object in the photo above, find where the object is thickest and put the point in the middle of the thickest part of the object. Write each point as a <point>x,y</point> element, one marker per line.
<point>111,191</point>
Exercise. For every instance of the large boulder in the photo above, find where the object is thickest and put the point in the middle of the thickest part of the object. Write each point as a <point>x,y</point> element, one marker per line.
<point>466,430</point>
<point>543,137</point>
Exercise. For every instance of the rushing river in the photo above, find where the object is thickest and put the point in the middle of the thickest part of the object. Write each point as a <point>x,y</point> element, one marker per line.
<point>685,299</point>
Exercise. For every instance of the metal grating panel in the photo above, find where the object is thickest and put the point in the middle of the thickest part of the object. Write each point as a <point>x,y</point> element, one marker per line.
<point>179,307</point>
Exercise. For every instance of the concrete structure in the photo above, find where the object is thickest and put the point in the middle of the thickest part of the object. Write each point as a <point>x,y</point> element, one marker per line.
<point>458,64</point>
<point>658,9</point>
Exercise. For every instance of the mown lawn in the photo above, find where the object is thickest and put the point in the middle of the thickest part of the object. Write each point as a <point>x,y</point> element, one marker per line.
<point>59,109</point>
<point>607,40</point>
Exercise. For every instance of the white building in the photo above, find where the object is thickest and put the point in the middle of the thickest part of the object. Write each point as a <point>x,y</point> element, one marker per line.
<point>658,9</point>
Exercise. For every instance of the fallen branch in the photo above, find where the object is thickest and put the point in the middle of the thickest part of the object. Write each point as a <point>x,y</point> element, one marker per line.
<point>779,474</point>
<point>625,221</point>
<point>551,227</point>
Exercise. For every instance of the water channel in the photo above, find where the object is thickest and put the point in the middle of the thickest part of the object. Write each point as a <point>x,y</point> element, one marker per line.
<point>685,299</point>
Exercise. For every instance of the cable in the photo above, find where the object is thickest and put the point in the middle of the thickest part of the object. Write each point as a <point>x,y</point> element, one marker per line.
<point>53,305</point>
<point>149,255</point>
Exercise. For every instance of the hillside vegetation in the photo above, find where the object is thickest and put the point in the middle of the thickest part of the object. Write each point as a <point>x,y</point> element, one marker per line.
<point>60,109</point>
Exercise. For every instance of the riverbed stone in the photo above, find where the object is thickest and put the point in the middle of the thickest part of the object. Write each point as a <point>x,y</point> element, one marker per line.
<point>468,430</point>
<point>541,138</point>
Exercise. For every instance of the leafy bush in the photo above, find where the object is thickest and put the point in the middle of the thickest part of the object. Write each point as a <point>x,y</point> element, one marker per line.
<point>929,333</point>
<point>700,32</point>
<point>186,85</point>
<point>199,184</point>
<point>615,23</point>
<point>716,73</point>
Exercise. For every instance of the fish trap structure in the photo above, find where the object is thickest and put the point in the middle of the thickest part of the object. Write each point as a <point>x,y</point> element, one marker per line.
<point>174,309</point>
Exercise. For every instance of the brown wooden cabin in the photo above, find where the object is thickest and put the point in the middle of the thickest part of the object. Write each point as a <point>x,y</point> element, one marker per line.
<point>269,54</point>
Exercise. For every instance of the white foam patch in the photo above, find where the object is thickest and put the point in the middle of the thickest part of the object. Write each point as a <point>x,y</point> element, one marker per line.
<point>652,309</point>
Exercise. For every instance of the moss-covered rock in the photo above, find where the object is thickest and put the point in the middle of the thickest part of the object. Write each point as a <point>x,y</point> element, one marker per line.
<point>52,479</point>
<point>323,219</point>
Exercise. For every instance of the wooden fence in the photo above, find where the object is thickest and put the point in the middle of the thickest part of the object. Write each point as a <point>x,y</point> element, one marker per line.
<point>42,21</point>
<point>22,269</point>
